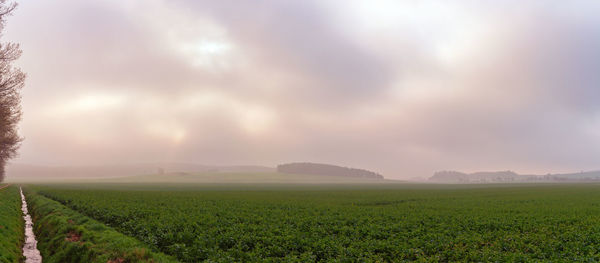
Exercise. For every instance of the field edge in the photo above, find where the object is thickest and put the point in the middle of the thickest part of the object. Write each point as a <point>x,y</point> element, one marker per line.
<point>64,235</point>
<point>11,225</point>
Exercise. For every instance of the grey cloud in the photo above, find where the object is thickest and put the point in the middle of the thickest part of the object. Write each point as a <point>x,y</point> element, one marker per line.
<point>300,37</point>
<point>85,45</point>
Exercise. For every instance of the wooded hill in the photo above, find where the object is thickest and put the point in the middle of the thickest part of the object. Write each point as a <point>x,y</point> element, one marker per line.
<point>326,170</point>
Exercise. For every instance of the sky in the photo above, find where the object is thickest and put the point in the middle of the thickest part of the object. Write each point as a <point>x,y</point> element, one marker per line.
<point>404,88</point>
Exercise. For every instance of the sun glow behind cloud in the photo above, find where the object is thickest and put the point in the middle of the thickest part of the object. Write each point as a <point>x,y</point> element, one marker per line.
<point>86,103</point>
<point>252,118</point>
<point>169,131</point>
<point>209,54</point>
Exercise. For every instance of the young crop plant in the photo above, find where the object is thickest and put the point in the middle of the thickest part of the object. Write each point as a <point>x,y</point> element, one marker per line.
<point>11,225</point>
<point>430,224</point>
<point>65,235</point>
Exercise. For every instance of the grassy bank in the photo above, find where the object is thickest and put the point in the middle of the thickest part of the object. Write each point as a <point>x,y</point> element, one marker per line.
<point>67,236</point>
<point>11,225</point>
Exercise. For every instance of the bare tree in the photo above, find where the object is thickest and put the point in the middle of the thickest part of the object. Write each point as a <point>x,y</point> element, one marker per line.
<point>12,80</point>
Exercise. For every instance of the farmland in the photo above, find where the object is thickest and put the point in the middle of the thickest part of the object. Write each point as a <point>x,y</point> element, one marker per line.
<point>11,225</point>
<point>397,222</point>
<point>65,235</point>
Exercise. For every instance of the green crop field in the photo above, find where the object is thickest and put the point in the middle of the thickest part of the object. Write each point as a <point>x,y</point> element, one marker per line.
<point>65,235</point>
<point>11,225</point>
<point>385,223</point>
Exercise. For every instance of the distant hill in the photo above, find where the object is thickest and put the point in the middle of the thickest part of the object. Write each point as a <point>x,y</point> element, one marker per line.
<point>326,170</point>
<point>509,177</point>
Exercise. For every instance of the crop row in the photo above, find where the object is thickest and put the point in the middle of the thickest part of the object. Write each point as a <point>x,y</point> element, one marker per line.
<point>549,223</point>
<point>65,235</point>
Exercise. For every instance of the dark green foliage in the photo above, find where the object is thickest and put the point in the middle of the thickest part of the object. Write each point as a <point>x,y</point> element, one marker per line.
<point>364,224</point>
<point>326,170</point>
<point>66,236</point>
<point>11,225</point>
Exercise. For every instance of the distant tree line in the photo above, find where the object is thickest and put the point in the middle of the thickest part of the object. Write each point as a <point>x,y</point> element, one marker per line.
<point>11,82</point>
<point>326,170</point>
<point>510,176</point>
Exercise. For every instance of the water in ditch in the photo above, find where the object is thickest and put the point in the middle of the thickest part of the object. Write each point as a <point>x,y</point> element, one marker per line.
<point>30,251</point>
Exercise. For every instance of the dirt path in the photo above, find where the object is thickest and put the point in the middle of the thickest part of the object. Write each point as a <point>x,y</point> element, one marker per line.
<point>30,251</point>
<point>4,186</point>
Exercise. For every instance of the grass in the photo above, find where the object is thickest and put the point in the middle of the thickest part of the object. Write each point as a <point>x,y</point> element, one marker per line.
<point>11,225</point>
<point>67,236</point>
<point>348,223</point>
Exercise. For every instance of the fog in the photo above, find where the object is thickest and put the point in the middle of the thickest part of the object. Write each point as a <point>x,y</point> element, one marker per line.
<point>403,88</point>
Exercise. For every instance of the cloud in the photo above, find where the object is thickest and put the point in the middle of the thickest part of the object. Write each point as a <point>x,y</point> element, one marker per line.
<point>324,66</point>
<point>470,85</point>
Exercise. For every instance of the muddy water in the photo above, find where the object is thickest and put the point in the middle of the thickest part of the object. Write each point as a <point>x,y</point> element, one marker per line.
<point>30,251</point>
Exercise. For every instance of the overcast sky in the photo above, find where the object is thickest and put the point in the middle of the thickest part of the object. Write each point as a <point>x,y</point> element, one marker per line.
<point>404,88</point>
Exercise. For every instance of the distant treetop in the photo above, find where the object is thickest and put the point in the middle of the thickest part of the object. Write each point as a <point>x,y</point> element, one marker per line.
<point>326,170</point>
